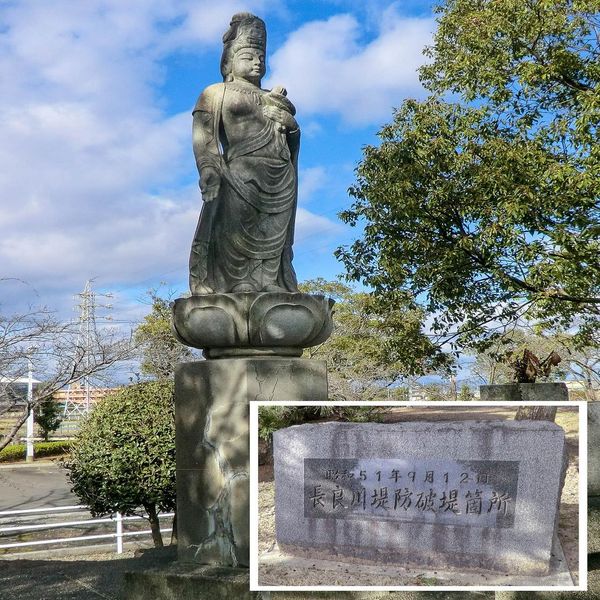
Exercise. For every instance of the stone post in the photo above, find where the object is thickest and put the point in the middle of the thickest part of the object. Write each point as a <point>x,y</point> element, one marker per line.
<point>212,401</point>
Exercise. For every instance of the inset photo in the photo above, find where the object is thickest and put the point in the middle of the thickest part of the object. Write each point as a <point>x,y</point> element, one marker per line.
<point>421,496</point>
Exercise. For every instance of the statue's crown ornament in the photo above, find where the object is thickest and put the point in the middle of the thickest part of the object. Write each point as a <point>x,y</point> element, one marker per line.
<point>246,31</point>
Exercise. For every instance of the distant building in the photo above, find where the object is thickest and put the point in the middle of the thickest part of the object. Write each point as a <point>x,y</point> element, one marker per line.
<point>74,398</point>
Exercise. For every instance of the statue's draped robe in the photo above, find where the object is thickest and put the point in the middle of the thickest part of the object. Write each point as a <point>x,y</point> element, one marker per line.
<point>245,235</point>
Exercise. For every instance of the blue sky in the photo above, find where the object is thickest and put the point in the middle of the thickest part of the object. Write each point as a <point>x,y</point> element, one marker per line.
<point>98,177</point>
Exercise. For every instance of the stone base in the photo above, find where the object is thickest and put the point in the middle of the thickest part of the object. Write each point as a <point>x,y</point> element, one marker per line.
<point>276,568</point>
<point>189,583</point>
<point>253,323</point>
<point>524,392</point>
<point>212,442</point>
<point>213,583</point>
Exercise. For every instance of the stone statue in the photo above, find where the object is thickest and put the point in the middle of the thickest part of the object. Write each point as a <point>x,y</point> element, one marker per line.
<point>246,143</point>
<point>245,311</point>
<point>245,299</point>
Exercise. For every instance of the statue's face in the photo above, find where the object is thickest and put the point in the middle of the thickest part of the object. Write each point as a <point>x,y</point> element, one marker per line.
<point>249,64</point>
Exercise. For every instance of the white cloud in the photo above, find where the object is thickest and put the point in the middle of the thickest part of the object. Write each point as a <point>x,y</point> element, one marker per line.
<point>310,181</point>
<point>85,145</point>
<point>328,69</point>
<point>311,129</point>
<point>206,21</point>
<point>312,230</point>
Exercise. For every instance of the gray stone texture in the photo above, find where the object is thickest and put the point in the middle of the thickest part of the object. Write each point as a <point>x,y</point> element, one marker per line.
<point>523,544</point>
<point>593,412</point>
<point>524,392</point>
<point>212,443</point>
<point>245,324</point>
<point>246,144</point>
<point>594,529</point>
<point>183,582</point>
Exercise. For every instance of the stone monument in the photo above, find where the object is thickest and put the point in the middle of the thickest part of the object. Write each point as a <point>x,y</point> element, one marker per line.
<point>245,311</point>
<point>472,494</point>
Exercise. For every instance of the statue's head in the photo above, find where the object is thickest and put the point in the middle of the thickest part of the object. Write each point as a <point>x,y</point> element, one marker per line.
<point>246,31</point>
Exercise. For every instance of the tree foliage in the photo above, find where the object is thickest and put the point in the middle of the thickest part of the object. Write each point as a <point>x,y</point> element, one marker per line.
<point>485,209</point>
<point>272,418</point>
<point>124,456</point>
<point>161,351</point>
<point>371,351</point>
<point>47,416</point>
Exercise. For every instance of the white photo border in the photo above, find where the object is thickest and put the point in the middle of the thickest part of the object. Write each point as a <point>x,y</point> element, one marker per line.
<point>582,534</point>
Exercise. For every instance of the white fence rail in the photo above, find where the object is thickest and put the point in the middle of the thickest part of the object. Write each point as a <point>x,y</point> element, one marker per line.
<point>116,520</point>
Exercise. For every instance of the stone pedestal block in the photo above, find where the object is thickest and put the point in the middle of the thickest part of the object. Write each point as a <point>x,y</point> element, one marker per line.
<point>189,583</point>
<point>212,441</point>
<point>524,392</point>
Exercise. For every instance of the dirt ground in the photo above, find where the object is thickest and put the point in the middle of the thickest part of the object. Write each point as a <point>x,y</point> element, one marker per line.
<point>304,573</point>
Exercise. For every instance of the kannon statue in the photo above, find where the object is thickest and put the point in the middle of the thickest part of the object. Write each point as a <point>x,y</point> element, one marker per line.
<point>246,143</point>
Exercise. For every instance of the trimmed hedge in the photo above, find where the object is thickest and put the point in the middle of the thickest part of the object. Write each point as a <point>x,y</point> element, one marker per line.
<point>17,452</point>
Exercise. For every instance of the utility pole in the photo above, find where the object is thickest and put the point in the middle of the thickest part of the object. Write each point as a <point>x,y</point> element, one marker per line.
<point>29,457</point>
<point>453,388</point>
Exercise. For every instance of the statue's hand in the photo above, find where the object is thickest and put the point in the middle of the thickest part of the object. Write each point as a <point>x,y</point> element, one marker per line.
<point>279,90</point>
<point>285,121</point>
<point>210,183</point>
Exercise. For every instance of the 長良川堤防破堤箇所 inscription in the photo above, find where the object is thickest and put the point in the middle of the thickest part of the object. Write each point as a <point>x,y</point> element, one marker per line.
<point>479,493</point>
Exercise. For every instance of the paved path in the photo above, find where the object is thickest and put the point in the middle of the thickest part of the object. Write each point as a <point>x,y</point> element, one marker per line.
<point>34,485</point>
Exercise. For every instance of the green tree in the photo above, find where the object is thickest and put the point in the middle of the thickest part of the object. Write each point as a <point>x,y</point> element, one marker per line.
<point>161,352</point>
<point>465,394</point>
<point>485,209</point>
<point>47,415</point>
<point>123,459</point>
<point>272,418</point>
<point>371,351</point>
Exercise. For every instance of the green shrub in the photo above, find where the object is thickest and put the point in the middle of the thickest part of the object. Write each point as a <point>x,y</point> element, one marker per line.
<point>13,452</point>
<point>124,455</point>
<point>52,448</point>
<point>272,418</point>
<point>16,452</point>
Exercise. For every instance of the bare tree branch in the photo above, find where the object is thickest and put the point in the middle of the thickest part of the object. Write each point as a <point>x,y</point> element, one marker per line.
<point>56,352</point>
